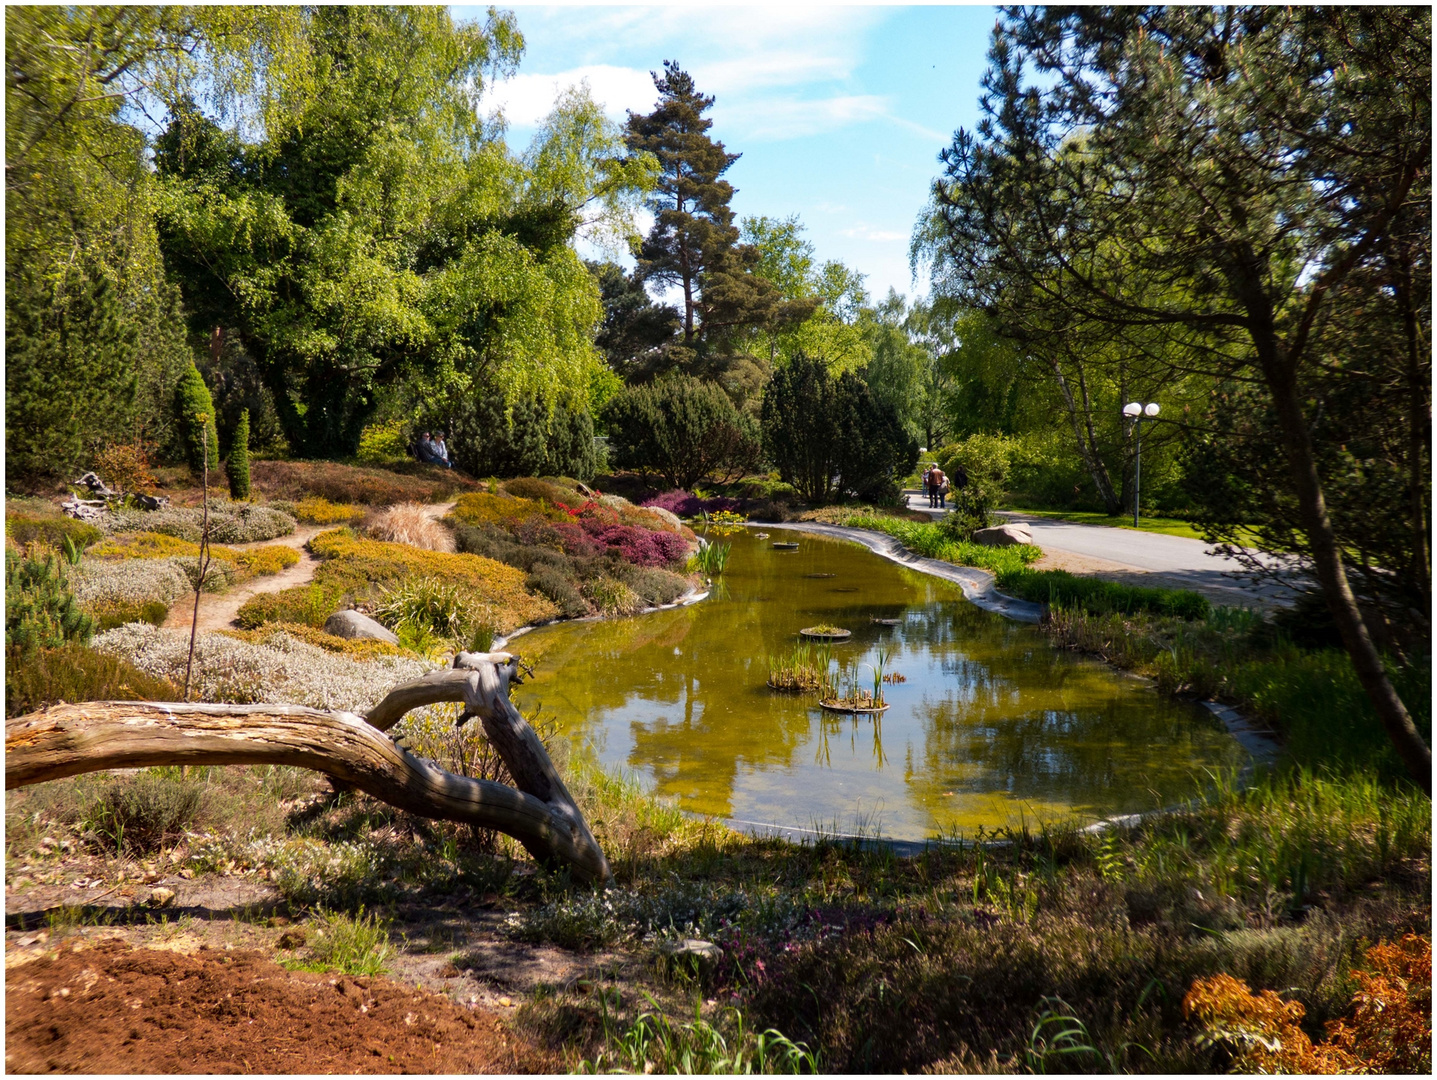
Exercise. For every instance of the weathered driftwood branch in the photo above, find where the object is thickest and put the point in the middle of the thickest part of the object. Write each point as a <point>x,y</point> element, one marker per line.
<point>69,739</point>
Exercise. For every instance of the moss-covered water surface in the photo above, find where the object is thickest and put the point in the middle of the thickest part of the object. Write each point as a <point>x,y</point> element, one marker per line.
<point>990,725</point>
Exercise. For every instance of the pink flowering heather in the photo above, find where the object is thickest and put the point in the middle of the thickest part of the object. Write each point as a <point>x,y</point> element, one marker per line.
<point>684,504</point>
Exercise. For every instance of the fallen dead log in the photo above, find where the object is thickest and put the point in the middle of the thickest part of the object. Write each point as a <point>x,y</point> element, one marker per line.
<point>539,812</point>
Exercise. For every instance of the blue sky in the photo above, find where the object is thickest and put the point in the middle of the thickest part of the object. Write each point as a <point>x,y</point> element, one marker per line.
<point>839,111</point>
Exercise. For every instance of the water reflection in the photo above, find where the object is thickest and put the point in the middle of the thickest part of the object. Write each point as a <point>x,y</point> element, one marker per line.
<point>991,724</point>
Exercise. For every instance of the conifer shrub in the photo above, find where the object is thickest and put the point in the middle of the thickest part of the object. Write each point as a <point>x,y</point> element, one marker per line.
<point>115,613</point>
<point>681,428</point>
<point>192,400</point>
<point>238,464</point>
<point>40,608</point>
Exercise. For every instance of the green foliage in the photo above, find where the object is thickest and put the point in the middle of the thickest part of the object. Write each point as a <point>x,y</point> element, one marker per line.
<point>238,463</point>
<point>495,434</point>
<point>308,605</point>
<point>353,944</point>
<point>140,814</point>
<point>682,428</point>
<point>107,616</point>
<point>24,530</point>
<point>425,603</point>
<point>75,673</point>
<point>982,463</point>
<point>40,608</point>
<point>934,542</point>
<point>195,419</point>
<point>1062,589</point>
<point>831,436</point>
<point>380,443</point>
<point>654,1043</point>
<point>710,559</point>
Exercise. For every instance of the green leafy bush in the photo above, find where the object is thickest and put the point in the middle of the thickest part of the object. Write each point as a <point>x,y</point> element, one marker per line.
<point>119,613</point>
<point>498,435</point>
<point>379,443</point>
<point>238,463</point>
<point>40,609</point>
<point>76,673</point>
<point>192,400</point>
<point>681,428</point>
<point>1062,589</point>
<point>981,462</point>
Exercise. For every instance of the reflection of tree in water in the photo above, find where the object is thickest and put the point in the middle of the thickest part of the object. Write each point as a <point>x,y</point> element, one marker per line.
<point>1080,740</point>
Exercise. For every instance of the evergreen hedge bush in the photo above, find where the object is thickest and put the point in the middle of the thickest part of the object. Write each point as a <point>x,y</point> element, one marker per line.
<point>239,459</point>
<point>192,399</point>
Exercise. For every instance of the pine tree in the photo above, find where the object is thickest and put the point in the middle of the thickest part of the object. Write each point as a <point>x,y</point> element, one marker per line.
<point>694,243</point>
<point>192,398</point>
<point>239,459</point>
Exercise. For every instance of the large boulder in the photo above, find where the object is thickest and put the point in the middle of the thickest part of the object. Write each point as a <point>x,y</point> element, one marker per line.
<point>355,624</point>
<point>1015,532</point>
<point>667,516</point>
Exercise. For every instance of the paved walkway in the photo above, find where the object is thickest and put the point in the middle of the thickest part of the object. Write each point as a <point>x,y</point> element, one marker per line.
<point>1139,558</point>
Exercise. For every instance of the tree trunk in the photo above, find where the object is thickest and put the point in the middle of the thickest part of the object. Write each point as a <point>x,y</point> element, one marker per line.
<point>1086,450</point>
<point>66,740</point>
<point>1281,380</point>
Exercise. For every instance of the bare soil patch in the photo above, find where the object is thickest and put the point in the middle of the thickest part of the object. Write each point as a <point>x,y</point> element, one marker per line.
<point>112,1008</point>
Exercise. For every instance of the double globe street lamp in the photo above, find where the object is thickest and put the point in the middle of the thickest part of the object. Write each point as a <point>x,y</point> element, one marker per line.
<point>1137,413</point>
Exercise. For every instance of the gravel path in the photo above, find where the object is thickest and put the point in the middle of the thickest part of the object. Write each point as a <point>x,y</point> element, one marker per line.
<point>219,610</point>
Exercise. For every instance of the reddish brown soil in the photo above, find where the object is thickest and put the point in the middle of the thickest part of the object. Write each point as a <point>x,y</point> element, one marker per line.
<point>114,1009</point>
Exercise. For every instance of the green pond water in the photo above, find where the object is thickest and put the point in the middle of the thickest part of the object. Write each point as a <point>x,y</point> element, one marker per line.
<point>992,726</point>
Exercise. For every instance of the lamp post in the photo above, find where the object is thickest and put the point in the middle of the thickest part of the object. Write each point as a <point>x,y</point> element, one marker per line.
<point>1137,414</point>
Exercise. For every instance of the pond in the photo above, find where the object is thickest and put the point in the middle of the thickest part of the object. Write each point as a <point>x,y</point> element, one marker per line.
<point>991,726</point>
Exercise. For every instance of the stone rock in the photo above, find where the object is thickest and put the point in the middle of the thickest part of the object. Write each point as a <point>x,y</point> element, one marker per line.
<point>151,502</point>
<point>353,624</point>
<point>703,951</point>
<point>668,515</point>
<point>1015,532</point>
<point>618,502</point>
<point>162,897</point>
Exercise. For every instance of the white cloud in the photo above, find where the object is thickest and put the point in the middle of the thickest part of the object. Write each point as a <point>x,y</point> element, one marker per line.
<point>758,118</point>
<point>863,231</point>
<point>525,99</point>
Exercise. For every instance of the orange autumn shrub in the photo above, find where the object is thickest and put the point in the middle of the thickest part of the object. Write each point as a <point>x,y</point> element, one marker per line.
<point>1390,1030</point>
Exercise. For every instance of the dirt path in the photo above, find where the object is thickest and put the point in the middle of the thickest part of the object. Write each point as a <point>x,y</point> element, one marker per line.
<point>219,610</point>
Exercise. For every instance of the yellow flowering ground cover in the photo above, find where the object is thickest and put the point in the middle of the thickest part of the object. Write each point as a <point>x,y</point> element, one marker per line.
<point>481,508</point>
<point>317,510</point>
<point>252,562</point>
<point>361,567</point>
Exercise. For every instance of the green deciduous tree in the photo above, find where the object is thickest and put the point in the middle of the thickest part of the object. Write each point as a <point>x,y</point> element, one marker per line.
<point>1228,190</point>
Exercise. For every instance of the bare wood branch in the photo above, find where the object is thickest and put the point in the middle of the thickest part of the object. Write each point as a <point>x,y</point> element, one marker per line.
<point>66,740</point>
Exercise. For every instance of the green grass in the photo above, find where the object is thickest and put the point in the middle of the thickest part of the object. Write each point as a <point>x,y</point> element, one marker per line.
<point>1058,587</point>
<point>1165,526</point>
<point>354,944</point>
<point>929,540</point>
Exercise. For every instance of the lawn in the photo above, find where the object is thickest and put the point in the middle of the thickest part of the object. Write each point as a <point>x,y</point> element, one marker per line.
<point>1166,526</point>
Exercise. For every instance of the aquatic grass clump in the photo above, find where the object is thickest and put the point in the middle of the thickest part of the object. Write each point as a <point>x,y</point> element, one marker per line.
<point>803,669</point>
<point>710,559</point>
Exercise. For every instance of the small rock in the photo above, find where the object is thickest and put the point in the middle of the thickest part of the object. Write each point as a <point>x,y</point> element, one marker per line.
<point>506,1002</point>
<point>670,518</point>
<point>46,844</point>
<point>353,624</point>
<point>1015,532</point>
<point>696,947</point>
<point>162,897</point>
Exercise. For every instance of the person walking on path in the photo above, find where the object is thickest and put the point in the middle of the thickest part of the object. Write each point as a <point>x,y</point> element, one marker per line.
<point>927,472</point>
<point>935,483</point>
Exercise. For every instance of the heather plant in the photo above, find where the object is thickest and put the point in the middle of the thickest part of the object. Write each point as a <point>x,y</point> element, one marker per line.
<point>101,583</point>
<point>230,523</point>
<point>407,482</point>
<point>74,672</point>
<point>279,669</point>
<point>317,510</point>
<point>307,605</point>
<point>26,529</point>
<point>684,504</point>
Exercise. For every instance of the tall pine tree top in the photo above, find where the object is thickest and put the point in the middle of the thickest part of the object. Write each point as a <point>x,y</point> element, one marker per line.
<point>694,226</point>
